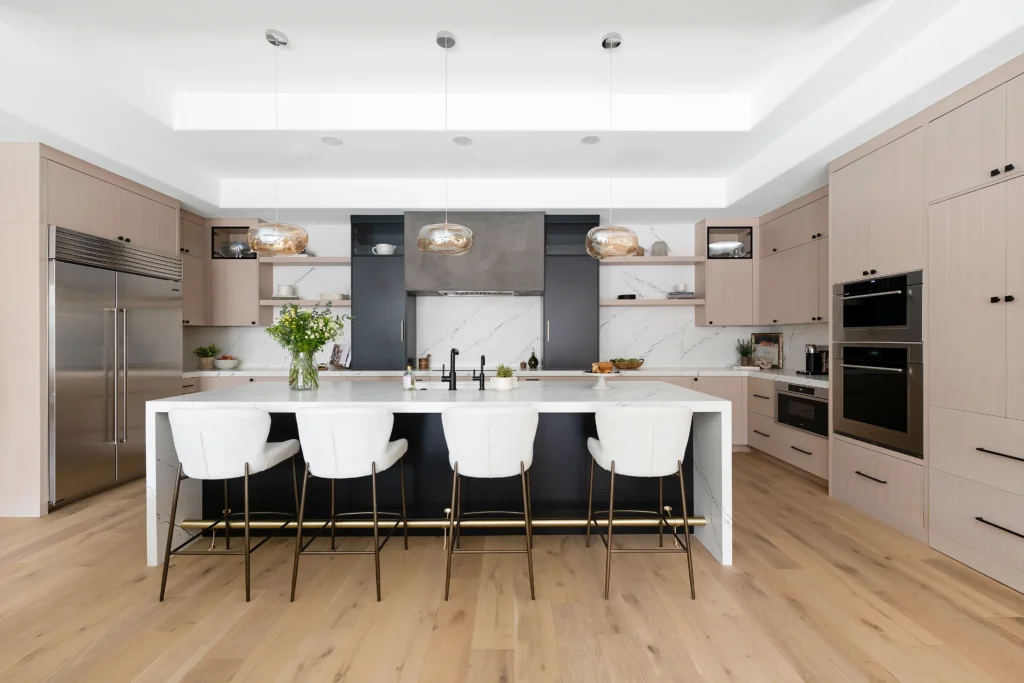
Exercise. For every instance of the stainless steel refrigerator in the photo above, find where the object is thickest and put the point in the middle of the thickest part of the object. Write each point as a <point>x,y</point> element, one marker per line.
<point>114,343</point>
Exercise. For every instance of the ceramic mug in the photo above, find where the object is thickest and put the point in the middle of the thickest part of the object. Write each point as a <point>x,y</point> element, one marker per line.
<point>680,288</point>
<point>504,383</point>
<point>383,250</point>
<point>285,290</point>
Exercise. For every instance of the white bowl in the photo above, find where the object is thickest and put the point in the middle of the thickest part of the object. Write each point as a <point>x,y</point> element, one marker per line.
<point>225,364</point>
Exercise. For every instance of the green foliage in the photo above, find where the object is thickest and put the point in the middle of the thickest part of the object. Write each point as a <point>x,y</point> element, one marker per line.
<point>308,330</point>
<point>503,371</point>
<point>745,347</point>
<point>210,351</point>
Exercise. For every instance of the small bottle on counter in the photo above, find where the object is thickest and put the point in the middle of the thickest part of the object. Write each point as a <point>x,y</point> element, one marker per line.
<point>533,362</point>
<point>408,380</point>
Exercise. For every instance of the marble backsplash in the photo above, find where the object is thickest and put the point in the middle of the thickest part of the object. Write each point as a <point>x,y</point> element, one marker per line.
<point>506,329</point>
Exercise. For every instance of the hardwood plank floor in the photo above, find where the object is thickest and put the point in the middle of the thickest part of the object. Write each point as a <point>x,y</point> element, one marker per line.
<point>818,592</point>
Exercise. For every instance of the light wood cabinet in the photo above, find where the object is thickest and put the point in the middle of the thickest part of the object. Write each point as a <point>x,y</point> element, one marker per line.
<point>1015,289</point>
<point>228,381</point>
<point>732,389</point>
<point>195,290</point>
<point>967,146</point>
<point>806,224</point>
<point>884,487</point>
<point>824,288</point>
<point>148,224</point>
<point>878,214</point>
<point>1015,124</point>
<point>982,448</point>
<point>194,239</point>
<point>761,396</point>
<point>728,292</point>
<point>80,202</point>
<point>236,287</point>
<point>802,450</point>
<point>967,341</point>
<point>789,286</point>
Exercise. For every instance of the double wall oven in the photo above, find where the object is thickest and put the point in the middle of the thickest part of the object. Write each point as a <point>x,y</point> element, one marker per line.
<point>878,362</point>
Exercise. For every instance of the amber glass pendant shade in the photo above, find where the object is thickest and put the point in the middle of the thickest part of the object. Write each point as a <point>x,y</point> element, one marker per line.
<point>277,239</point>
<point>450,239</point>
<point>606,241</point>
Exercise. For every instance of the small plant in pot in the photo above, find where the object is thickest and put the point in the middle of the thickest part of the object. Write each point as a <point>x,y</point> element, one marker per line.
<point>504,379</point>
<point>745,347</point>
<point>206,354</point>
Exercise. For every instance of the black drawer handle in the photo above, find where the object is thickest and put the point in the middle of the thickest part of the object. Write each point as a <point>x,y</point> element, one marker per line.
<point>760,396</point>
<point>1008,168</point>
<point>865,272</point>
<point>868,476</point>
<point>800,450</point>
<point>1001,528</point>
<point>767,436</point>
<point>1001,455</point>
<point>994,172</point>
<point>994,299</point>
<point>1009,298</point>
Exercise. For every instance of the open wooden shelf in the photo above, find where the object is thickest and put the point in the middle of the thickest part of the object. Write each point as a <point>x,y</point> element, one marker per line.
<point>307,260</point>
<point>652,260</point>
<point>344,303</point>
<point>652,302</point>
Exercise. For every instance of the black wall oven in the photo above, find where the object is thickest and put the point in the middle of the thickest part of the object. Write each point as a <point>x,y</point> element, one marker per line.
<point>802,407</point>
<point>879,309</point>
<point>879,394</point>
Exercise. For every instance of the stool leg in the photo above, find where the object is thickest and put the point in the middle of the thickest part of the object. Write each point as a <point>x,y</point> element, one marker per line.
<point>458,514</point>
<point>227,521</point>
<point>529,505</point>
<point>333,526</point>
<point>298,532</point>
<point>611,510</point>
<point>247,547</point>
<point>376,536</point>
<point>170,533</point>
<point>661,507</point>
<point>405,517</point>
<point>295,486</point>
<point>451,533</point>
<point>590,503</point>
<point>686,531</point>
<point>528,524</point>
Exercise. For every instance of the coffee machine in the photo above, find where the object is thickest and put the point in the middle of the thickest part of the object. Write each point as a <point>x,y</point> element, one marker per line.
<point>815,360</point>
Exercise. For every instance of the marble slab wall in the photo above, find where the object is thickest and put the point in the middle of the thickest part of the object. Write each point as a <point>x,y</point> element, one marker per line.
<point>506,329</point>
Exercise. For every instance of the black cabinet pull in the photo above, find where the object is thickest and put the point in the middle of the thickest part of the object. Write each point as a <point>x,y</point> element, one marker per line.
<point>800,450</point>
<point>995,172</point>
<point>253,322</point>
<point>813,237</point>
<point>127,239</point>
<point>819,234</point>
<point>696,378</point>
<point>868,476</point>
<point>711,322</point>
<point>873,271</point>
<point>186,322</point>
<point>181,249</point>
<point>121,237</point>
<point>1001,528</point>
<point>1008,298</point>
<point>252,379</point>
<point>994,299</point>
<point>760,396</point>
<point>774,249</point>
<point>865,272</point>
<point>767,436</point>
<point>1001,455</point>
<point>775,321</point>
<point>1008,168</point>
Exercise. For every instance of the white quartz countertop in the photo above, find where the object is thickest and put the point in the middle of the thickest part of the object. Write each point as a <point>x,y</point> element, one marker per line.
<point>547,397</point>
<point>790,376</point>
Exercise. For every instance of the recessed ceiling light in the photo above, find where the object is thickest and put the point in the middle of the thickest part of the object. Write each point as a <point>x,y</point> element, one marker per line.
<point>590,140</point>
<point>331,140</point>
<point>462,140</point>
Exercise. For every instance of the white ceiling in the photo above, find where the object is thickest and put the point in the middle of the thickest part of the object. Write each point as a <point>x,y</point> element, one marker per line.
<point>748,95</point>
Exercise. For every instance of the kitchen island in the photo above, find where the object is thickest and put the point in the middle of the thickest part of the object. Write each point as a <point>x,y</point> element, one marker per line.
<point>559,474</point>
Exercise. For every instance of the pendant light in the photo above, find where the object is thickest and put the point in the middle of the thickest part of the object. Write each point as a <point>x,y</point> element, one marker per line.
<point>450,239</point>
<point>610,240</point>
<point>277,238</point>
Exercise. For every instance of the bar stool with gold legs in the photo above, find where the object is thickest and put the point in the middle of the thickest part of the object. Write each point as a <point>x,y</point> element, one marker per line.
<point>489,443</point>
<point>640,441</point>
<point>349,443</point>
<point>224,444</point>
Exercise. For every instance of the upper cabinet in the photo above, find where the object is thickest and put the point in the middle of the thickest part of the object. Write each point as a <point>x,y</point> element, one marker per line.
<point>148,224</point>
<point>194,238</point>
<point>793,280</point>
<point>725,280</point>
<point>81,202</point>
<point>803,225</point>
<point>878,212</point>
<point>1015,124</point>
<point>236,287</point>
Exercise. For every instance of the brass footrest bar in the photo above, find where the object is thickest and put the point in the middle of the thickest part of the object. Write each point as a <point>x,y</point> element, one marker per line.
<point>581,522</point>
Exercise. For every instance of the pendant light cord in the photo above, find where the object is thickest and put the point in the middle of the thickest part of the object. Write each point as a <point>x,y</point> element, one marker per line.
<point>446,132</point>
<point>611,133</point>
<point>277,134</point>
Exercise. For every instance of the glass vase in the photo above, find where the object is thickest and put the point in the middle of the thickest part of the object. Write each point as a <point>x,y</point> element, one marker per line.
<point>302,375</point>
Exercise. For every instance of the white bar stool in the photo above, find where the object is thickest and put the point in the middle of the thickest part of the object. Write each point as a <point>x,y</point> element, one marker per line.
<point>223,444</point>
<point>489,443</point>
<point>640,441</point>
<point>349,443</point>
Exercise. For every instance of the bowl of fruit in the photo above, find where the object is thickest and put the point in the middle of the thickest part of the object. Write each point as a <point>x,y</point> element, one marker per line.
<point>627,363</point>
<point>225,363</point>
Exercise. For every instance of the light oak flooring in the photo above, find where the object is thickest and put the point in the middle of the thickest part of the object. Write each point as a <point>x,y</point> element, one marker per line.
<point>818,592</point>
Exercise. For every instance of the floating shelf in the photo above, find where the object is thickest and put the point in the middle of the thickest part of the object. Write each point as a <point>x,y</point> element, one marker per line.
<point>344,303</point>
<point>652,260</point>
<point>652,302</point>
<point>307,260</point>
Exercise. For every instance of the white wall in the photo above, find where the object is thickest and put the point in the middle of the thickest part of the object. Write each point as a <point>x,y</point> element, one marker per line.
<point>507,329</point>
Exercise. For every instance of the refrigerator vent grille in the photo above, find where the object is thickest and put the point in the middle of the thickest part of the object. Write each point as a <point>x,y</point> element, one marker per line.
<point>88,250</point>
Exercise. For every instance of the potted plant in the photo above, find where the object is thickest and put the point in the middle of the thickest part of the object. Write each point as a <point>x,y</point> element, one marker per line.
<point>504,379</point>
<point>206,354</point>
<point>303,332</point>
<point>745,347</point>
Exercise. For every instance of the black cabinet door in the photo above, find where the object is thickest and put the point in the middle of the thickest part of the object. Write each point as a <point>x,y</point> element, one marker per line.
<point>379,308</point>
<point>571,326</point>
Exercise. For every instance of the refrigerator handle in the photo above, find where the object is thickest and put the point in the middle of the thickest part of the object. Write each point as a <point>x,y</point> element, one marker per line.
<point>124,384</point>
<point>113,402</point>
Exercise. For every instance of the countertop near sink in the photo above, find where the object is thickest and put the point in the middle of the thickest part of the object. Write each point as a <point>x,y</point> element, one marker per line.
<point>783,375</point>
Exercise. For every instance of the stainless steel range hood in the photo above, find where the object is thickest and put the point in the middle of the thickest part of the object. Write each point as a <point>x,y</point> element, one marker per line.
<point>507,257</point>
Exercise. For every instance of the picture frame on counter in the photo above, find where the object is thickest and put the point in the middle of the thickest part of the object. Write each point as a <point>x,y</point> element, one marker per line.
<point>768,346</point>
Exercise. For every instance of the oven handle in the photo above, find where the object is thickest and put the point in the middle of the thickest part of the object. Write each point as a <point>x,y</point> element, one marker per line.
<point>869,367</point>
<point>872,295</point>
